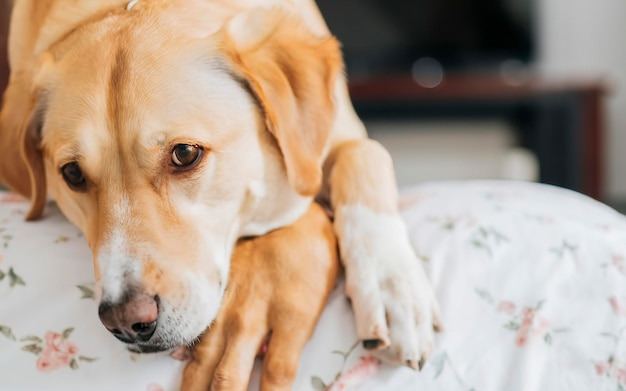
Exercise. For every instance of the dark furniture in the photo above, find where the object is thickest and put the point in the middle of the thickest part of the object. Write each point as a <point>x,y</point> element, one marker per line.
<point>5,15</point>
<point>561,122</point>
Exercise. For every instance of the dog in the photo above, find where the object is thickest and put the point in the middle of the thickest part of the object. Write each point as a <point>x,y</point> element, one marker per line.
<point>278,287</point>
<point>166,130</point>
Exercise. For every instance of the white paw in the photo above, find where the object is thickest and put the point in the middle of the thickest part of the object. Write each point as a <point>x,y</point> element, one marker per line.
<point>394,304</point>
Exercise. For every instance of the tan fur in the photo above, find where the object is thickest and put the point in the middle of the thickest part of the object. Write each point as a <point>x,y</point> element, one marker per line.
<point>366,165</point>
<point>261,91</point>
<point>22,166</point>
<point>289,69</point>
<point>278,288</point>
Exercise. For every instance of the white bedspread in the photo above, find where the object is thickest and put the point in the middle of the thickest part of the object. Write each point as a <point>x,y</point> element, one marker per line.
<point>531,281</point>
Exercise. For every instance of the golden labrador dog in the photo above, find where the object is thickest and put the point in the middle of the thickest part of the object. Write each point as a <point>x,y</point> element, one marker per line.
<point>278,287</point>
<point>168,129</point>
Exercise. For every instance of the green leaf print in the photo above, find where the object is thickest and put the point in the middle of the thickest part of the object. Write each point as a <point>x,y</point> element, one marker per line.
<point>33,348</point>
<point>512,326</point>
<point>317,383</point>
<point>6,331</point>
<point>86,291</point>
<point>67,332</point>
<point>548,338</point>
<point>14,279</point>
<point>6,239</point>
<point>484,295</point>
<point>31,338</point>
<point>438,363</point>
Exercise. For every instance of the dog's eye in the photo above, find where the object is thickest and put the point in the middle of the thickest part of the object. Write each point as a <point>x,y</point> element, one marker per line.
<point>185,155</point>
<point>73,176</point>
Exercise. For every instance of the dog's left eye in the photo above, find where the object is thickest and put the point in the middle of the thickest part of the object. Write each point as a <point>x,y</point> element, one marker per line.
<point>73,176</point>
<point>184,155</point>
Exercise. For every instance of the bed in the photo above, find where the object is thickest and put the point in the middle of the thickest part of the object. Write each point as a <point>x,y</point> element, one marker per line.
<point>531,280</point>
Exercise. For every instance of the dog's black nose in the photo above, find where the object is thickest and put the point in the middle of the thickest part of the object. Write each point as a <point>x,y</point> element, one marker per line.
<point>134,320</point>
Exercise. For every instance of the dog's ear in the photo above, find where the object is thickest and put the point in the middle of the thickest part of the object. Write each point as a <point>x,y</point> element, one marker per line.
<point>21,160</point>
<point>292,74</point>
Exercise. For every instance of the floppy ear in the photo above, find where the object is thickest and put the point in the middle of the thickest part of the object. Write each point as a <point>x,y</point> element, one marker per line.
<point>21,160</point>
<point>292,74</point>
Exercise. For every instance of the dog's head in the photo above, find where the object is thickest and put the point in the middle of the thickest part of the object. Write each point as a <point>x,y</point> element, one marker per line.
<point>165,148</point>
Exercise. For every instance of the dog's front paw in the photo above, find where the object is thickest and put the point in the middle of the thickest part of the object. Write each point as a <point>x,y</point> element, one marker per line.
<point>394,304</point>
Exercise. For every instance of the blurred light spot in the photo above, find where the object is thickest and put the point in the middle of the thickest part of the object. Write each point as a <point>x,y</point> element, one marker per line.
<point>514,72</point>
<point>427,72</point>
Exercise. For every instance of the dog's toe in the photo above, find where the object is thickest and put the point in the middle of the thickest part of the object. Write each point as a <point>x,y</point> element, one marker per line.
<point>395,307</point>
<point>369,311</point>
<point>411,315</point>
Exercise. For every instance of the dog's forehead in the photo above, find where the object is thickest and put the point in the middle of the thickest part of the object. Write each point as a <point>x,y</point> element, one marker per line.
<point>119,94</point>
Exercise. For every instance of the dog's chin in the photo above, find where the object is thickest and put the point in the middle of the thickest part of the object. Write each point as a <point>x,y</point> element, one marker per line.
<point>157,346</point>
<point>148,348</point>
<point>151,348</point>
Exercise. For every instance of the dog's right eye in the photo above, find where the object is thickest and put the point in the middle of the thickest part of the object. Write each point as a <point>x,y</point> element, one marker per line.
<point>185,155</point>
<point>73,176</point>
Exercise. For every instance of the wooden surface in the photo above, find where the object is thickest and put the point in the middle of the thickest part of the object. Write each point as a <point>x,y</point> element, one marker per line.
<point>472,87</point>
<point>474,93</point>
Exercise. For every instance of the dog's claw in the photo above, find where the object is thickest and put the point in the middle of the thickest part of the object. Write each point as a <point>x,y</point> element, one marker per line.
<point>437,324</point>
<point>421,363</point>
<point>372,344</point>
<point>413,364</point>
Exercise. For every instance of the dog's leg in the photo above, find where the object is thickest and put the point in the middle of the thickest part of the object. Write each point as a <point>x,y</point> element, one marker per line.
<point>395,307</point>
<point>223,360</point>
<point>233,371</point>
<point>206,354</point>
<point>280,364</point>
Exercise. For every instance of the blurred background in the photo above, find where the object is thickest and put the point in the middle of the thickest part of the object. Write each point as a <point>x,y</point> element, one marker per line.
<point>510,89</point>
<point>529,90</point>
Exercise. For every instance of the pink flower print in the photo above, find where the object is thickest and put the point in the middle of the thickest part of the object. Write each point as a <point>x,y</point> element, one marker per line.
<point>540,326</point>
<point>620,375</point>
<point>528,315</point>
<point>154,387</point>
<point>602,367</point>
<point>57,353</point>
<point>521,339</point>
<point>619,263</point>
<point>60,344</point>
<point>50,360</point>
<point>366,368</point>
<point>618,307</point>
<point>1,258</point>
<point>507,307</point>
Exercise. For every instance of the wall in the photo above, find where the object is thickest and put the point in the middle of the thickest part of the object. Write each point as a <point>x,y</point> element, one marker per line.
<point>587,38</point>
<point>453,150</point>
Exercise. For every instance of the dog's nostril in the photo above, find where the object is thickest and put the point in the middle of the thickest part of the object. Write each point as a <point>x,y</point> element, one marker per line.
<point>141,327</point>
<point>144,330</point>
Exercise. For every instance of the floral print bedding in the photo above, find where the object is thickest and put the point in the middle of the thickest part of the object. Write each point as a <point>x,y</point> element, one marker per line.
<point>531,280</point>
